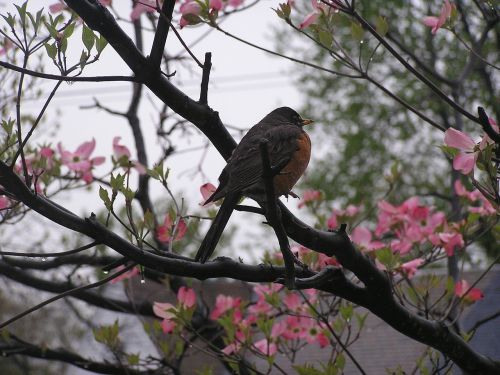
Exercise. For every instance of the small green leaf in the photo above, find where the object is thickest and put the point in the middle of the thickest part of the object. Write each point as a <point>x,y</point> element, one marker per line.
<point>88,38</point>
<point>117,182</point>
<point>51,50</point>
<point>68,31</point>
<point>325,38</point>
<point>149,221</point>
<point>10,19</point>
<point>133,359</point>
<point>129,194</point>
<point>103,194</point>
<point>52,30</point>
<point>357,31</point>
<point>381,26</point>
<point>100,44</point>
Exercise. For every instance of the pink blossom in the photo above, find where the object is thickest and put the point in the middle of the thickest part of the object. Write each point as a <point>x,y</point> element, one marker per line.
<point>474,294</point>
<point>437,22</point>
<point>166,311</point>
<point>80,161</point>
<point>235,3</point>
<point>125,276</point>
<point>410,268</point>
<point>164,232</point>
<point>309,20</point>
<point>216,4</point>
<point>350,211</point>
<point>466,158</point>
<point>7,45</point>
<point>143,6</point>
<point>266,347</point>
<point>4,202</point>
<point>312,17</point>
<point>323,340</point>
<point>206,191</point>
<point>120,150</point>
<point>186,297</point>
<point>189,10</point>
<point>485,207</point>
<point>168,325</point>
<point>292,301</point>
<point>309,196</point>
<point>363,237</point>
<point>232,348</point>
<point>447,240</point>
<point>224,303</point>
<point>486,139</point>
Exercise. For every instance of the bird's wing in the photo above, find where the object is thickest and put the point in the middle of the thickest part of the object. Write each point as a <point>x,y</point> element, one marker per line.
<point>244,168</point>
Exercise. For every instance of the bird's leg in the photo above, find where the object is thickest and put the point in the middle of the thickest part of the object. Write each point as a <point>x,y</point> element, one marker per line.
<point>273,216</point>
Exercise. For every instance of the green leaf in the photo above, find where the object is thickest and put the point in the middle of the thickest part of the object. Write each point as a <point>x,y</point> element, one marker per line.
<point>52,30</point>
<point>346,311</point>
<point>51,50</point>
<point>149,221</point>
<point>325,38</point>
<point>22,12</point>
<point>63,45</point>
<point>340,361</point>
<point>280,13</point>
<point>117,182</point>
<point>88,38</point>
<point>11,20</point>
<point>128,193</point>
<point>381,26</point>
<point>103,194</point>
<point>100,44</point>
<point>357,31</point>
<point>68,31</point>
<point>133,359</point>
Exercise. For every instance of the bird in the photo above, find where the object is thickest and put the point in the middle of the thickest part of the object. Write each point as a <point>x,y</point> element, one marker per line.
<point>289,149</point>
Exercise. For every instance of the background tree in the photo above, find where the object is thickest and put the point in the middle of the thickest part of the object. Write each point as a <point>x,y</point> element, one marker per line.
<point>375,274</point>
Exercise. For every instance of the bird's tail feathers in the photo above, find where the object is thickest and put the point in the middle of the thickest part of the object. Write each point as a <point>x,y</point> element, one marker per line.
<point>213,235</point>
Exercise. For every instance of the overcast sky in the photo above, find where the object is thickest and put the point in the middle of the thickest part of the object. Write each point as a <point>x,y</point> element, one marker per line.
<point>246,84</point>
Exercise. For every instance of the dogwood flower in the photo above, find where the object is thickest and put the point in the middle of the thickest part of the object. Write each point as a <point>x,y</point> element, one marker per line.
<point>437,22</point>
<point>80,161</point>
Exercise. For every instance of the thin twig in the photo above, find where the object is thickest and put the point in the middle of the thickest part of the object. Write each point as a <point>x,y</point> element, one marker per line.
<point>65,294</point>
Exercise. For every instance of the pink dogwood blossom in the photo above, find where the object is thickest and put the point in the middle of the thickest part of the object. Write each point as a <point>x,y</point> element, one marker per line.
<point>363,237</point>
<point>309,196</point>
<point>186,297</point>
<point>410,268</point>
<point>190,10</point>
<point>80,161</point>
<point>350,211</point>
<point>468,152</point>
<point>4,202</point>
<point>164,232</point>
<point>474,294</point>
<point>143,6</point>
<point>437,22</point>
<point>206,191</point>
<point>311,18</point>
<point>125,276</point>
<point>223,304</point>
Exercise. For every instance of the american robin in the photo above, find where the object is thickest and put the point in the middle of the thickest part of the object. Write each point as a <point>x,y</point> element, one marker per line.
<point>289,149</point>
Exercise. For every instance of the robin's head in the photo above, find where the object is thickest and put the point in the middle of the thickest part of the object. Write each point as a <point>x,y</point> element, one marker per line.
<point>286,115</point>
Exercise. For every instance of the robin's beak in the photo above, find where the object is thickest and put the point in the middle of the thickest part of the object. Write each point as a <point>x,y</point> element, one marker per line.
<point>306,122</point>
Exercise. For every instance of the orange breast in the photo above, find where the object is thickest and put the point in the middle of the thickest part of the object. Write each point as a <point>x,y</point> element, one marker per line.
<point>290,174</point>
